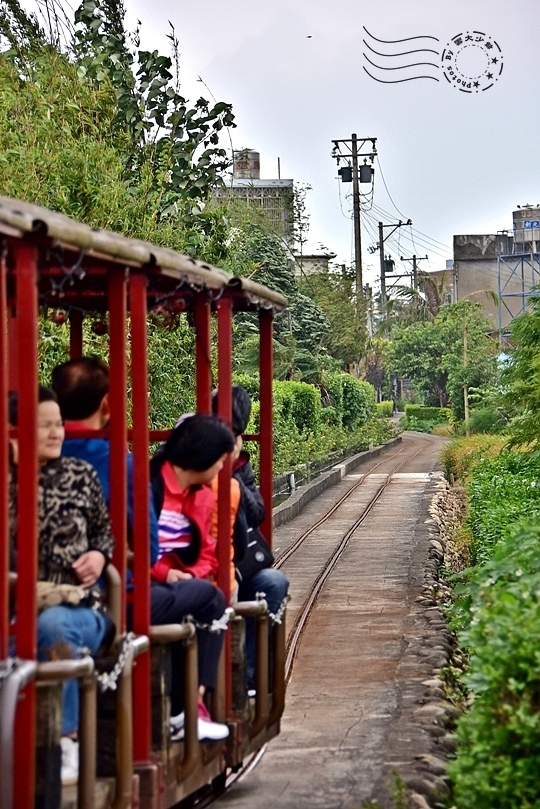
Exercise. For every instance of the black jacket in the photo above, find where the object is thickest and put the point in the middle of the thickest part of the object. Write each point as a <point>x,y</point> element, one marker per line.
<point>252,501</point>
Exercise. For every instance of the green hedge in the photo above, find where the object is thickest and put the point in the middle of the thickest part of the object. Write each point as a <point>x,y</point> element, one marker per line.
<point>305,431</point>
<point>358,402</point>
<point>498,752</point>
<point>250,383</point>
<point>497,617</point>
<point>438,415</point>
<point>385,409</point>
<point>333,413</point>
<point>297,402</point>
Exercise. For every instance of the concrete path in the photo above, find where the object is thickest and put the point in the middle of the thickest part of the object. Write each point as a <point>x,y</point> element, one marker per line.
<point>350,717</point>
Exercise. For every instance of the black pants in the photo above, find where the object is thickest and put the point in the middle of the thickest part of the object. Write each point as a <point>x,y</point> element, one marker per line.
<point>169,603</point>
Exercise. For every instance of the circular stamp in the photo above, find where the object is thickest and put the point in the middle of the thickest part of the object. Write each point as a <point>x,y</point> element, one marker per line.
<point>472,62</point>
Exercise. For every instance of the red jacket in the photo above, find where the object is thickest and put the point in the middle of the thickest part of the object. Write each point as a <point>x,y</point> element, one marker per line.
<point>197,504</point>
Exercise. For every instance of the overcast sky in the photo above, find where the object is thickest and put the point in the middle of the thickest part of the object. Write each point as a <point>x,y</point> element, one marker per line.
<point>294,70</point>
<point>295,73</point>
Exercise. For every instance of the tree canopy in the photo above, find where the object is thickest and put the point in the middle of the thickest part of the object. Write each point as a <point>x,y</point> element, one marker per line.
<point>442,356</point>
<point>96,128</point>
<point>346,335</point>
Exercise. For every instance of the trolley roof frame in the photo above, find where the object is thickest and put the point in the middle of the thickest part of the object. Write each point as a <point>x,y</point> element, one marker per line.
<point>49,259</point>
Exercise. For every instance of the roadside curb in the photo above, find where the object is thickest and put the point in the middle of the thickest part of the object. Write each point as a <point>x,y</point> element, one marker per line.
<point>290,509</point>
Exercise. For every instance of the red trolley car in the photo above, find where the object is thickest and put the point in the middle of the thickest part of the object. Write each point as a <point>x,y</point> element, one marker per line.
<point>50,260</point>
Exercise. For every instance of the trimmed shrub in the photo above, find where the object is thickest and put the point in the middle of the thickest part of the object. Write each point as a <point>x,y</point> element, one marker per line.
<point>334,386</point>
<point>424,418</point>
<point>498,754</point>
<point>358,401</point>
<point>297,402</point>
<point>436,415</point>
<point>249,382</point>
<point>385,408</point>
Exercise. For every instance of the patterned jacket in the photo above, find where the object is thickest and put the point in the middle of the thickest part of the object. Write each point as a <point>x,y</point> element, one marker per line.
<point>72,514</point>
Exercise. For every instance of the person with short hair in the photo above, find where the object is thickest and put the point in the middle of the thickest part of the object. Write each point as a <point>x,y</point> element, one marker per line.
<point>181,473</point>
<point>75,545</point>
<point>273,583</point>
<point>83,390</point>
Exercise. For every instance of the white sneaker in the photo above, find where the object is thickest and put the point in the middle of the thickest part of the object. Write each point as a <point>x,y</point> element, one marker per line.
<point>206,729</point>
<point>70,761</point>
<point>211,731</point>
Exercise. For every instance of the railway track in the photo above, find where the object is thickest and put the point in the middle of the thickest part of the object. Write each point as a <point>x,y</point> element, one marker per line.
<point>333,559</point>
<point>378,474</point>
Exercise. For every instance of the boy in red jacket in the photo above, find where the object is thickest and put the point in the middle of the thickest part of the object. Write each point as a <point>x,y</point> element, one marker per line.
<point>181,473</point>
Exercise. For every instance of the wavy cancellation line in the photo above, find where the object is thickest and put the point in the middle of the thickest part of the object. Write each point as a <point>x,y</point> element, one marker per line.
<point>401,67</point>
<point>402,53</point>
<point>396,41</point>
<point>392,56</point>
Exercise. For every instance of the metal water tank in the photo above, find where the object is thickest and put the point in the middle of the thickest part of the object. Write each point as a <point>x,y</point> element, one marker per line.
<point>527,229</point>
<point>247,165</point>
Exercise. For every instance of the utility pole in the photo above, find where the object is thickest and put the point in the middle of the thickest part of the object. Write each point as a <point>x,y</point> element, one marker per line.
<point>356,217</point>
<point>351,172</point>
<point>382,239</point>
<point>415,259</point>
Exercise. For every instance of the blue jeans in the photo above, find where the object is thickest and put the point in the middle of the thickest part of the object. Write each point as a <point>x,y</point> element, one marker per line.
<point>275,585</point>
<point>69,629</point>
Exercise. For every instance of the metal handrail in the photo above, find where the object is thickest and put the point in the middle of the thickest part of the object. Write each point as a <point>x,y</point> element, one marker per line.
<point>12,685</point>
<point>113,595</point>
<point>169,633</point>
<point>250,609</point>
<point>262,704</point>
<point>83,669</point>
<point>124,758</point>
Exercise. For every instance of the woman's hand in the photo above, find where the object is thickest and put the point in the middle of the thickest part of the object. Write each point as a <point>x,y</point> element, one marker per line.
<point>88,567</point>
<point>177,575</point>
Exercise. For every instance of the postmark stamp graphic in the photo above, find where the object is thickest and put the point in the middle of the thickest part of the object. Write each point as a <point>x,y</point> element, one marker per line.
<point>472,62</point>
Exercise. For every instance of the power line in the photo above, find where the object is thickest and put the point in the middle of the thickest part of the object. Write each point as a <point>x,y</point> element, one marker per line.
<point>418,232</point>
<point>387,191</point>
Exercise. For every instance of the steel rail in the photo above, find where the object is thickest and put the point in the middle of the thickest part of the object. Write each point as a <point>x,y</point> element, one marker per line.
<point>282,558</point>
<point>216,792</point>
<point>311,600</point>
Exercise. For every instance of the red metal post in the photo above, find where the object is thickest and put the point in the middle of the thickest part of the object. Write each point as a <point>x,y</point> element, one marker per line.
<point>203,353</point>
<point>4,528</point>
<point>26,258</point>
<point>265,396</point>
<point>224,488</point>
<point>224,412</point>
<point>118,422</point>
<point>13,347</point>
<point>75,334</point>
<point>141,516</point>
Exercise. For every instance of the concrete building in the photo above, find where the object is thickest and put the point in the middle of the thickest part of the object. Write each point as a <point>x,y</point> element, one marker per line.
<point>504,263</point>
<point>476,273</point>
<point>275,196</point>
<point>312,264</point>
